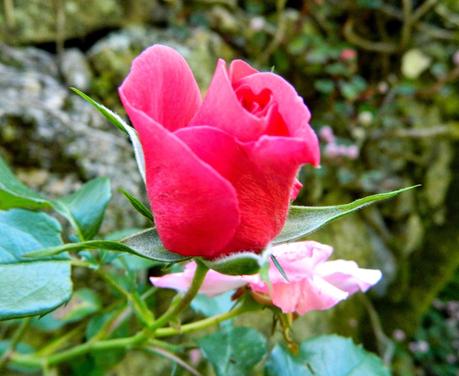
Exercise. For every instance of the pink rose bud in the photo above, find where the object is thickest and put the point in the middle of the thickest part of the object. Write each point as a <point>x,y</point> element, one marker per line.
<point>219,172</point>
<point>314,283</point>
<point>348,54</point>
<point>399,335</point>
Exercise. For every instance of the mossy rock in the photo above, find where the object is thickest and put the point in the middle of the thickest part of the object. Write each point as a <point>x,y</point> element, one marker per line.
<point>111,57</point>
<point>30,22</point>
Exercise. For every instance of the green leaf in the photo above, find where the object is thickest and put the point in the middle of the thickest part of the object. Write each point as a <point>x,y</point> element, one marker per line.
<point>235,264</point>
<point>138,205</point>
<point>85,208</point>
<point>145,244</point>
<point>14,194</point>
<point>304,220</point>
<point>325,355</point>
<point>234,351</point>
<point>126,261</point>
<point>84,303</point>
<point>101,362</point>
<point>116,120</point>
<point>30,287</point>
<point>211,306</point>
<point>148,245</point>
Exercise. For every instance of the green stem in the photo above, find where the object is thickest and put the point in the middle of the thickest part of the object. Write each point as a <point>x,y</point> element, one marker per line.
<point>63,341</point>
<point>407,23</point>
<point>175,309</point>
<point>112,344</point>
<point>111,325</point>
<point>201,324</point>
<point>138,339</point>
<point>139,306</point>
<point>17,336</point>
<point>126,343</point>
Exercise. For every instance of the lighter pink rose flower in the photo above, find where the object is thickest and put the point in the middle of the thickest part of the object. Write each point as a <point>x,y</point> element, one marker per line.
<point>313,282</point>
<point>214,284</point>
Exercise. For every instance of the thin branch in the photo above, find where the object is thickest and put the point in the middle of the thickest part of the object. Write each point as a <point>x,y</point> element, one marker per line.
<point>415,133</point>
<point>369,45</point>
<point>278,35</point>
<point>422,10</point>
<point>174,358</point>
<point>407,23</point>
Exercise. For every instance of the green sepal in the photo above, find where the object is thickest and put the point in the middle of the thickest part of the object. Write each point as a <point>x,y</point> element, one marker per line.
<point>138,205</point>
<point>242,263</point>
<point>304,220</point>
<point>116,120</point>
<point>144,244</point>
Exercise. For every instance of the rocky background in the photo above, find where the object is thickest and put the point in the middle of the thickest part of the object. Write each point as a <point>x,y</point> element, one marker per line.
<point>381,79</point>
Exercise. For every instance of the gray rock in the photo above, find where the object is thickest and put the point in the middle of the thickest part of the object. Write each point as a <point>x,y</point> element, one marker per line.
<point>46,127</point>
<point>111,56</point>
<point>75,69</point>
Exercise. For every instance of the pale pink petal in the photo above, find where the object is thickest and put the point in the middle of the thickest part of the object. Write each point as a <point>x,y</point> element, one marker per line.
<point>214,283</point>
<point>286,295</point>
<point>318,295</point>
<point>161,85</point>
<point>347,276</point>
<point>298,259</point>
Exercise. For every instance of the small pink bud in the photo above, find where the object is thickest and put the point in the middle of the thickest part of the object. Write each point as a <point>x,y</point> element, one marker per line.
<point>195,356</point>
<point>348,54</point>
<point>456,57</point>
<point>342,150</point>
<point>399,335</point>
<point>326,134</point>
<point>332,150</point>
<point>353,152</point>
